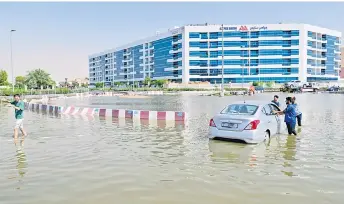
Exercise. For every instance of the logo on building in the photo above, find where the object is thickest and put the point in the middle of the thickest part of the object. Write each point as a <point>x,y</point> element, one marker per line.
<point>243,28</point>
<point>228,28</point>
<point>259,28</point>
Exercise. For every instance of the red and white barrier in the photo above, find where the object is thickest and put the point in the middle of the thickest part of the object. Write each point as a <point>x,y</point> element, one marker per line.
<point>102,112</point>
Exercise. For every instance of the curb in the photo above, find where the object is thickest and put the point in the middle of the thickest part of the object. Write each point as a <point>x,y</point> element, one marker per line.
<point>102,112</point>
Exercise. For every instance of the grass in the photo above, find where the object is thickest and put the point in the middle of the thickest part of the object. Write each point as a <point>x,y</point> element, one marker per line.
<point>8,92</point>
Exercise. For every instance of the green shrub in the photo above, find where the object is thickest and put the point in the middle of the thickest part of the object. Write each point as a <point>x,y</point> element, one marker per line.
<point>270,84</point>
<point>255,83</point>
<point>8,91</point>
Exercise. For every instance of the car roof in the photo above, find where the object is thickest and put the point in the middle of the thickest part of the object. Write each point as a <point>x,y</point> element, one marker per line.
<point>252,102</point>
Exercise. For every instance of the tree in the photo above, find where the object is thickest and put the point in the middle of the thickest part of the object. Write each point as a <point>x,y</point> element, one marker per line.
<point>256,83</point>
<point>75,84</point>
<point>99,84</point>
<point>161,82</point>
<point>20,82</point>
<point>147,81</point>
<point>270,84</point>
<point>84,85</point>
<point>117,83</point>
<point>52,83</point>
<point>39,78</point>
<point>3,78</point>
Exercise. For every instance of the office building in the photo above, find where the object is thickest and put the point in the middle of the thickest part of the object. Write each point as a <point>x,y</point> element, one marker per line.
<point>342,62</point>
<point>245,53</point>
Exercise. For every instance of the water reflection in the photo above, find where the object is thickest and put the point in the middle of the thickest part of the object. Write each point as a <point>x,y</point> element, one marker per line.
<point>289,153</point>
<point>21,165</point>
<point>224,151</point>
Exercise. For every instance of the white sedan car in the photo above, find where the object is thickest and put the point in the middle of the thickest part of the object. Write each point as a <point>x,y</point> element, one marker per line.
<point>248,121</point>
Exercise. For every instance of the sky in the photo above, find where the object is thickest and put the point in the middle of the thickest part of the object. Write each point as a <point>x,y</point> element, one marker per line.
<point>59,37</point>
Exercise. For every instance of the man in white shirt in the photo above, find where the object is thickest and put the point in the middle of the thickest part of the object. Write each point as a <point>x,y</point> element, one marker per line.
<point>298,112</point>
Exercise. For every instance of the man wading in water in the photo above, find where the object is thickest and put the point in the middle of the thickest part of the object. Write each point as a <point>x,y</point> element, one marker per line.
<point>289,116</point>
<point>19,107</point>
<point>298,112</point>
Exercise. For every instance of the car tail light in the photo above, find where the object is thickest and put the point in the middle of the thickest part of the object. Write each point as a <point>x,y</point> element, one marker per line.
<point>212,123</point>
<point>253,125</point>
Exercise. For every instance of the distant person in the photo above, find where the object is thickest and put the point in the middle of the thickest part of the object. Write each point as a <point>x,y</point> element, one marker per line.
<point>289,116</point>
<point>19,107</point>
<point>298,112</point>
<point>275,101</point>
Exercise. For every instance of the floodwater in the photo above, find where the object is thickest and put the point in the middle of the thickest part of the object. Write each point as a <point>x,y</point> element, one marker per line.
<point>74,160</point>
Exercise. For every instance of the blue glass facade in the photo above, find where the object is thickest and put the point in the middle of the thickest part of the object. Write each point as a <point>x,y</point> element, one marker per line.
<point>162,49</point>
<point>247,54</point>
<point>245,79</point>
<point>276,53</point>
<point>323,56</point>
<point>119,60</point>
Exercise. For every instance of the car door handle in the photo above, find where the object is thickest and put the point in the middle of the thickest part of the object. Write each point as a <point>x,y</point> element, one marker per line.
<point>269,121</point>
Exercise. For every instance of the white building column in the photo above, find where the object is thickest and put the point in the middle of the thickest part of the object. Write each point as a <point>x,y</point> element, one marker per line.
<point>185,54</point>
<point>303,53</point>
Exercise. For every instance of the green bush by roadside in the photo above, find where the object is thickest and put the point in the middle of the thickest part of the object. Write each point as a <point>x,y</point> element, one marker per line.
<point>8,92</point>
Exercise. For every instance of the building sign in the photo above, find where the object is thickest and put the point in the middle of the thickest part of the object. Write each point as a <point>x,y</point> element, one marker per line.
<point>243,28</point>
<point>228,28</point>
<point>259,28</point>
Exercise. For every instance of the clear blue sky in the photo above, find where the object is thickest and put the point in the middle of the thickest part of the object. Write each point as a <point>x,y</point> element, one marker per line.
<point>59,37</point>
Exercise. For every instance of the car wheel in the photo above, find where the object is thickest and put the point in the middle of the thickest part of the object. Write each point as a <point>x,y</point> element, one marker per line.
<point>267,136</point>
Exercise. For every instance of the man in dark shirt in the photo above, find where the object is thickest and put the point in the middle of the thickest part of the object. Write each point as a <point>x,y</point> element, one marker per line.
<point>289,116</point>
<point>275,101</point>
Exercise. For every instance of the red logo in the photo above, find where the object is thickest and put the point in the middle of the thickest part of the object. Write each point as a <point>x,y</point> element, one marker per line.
<point>243,28</point>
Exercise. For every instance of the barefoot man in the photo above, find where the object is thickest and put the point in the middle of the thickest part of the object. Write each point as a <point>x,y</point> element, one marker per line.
<point>19,107</point>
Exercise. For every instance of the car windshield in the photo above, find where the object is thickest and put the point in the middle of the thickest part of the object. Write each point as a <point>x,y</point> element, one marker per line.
<point>240,109</point>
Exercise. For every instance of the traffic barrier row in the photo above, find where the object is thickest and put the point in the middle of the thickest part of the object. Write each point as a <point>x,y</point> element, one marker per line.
<point>132,114</point>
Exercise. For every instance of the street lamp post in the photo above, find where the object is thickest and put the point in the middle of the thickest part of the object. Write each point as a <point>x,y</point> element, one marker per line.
<point>222,79</point>
<point>12,60</point>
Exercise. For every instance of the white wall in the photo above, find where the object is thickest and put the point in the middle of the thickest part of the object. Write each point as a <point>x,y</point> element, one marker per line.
<point>303,54</point>
<point>185,53</point>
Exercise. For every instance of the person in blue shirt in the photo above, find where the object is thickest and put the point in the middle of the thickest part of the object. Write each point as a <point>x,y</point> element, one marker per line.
<point>289,116</point>
<point>298,112</point>
<point>275,101</point>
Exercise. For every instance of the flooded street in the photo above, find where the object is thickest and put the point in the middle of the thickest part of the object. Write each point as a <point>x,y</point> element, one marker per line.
<point>75,160</point>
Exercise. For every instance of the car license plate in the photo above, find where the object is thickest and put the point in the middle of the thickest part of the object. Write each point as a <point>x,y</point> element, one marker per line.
<point>229,125</point>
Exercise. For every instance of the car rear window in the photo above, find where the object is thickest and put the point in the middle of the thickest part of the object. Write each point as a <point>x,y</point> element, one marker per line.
<point>240,109</point>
